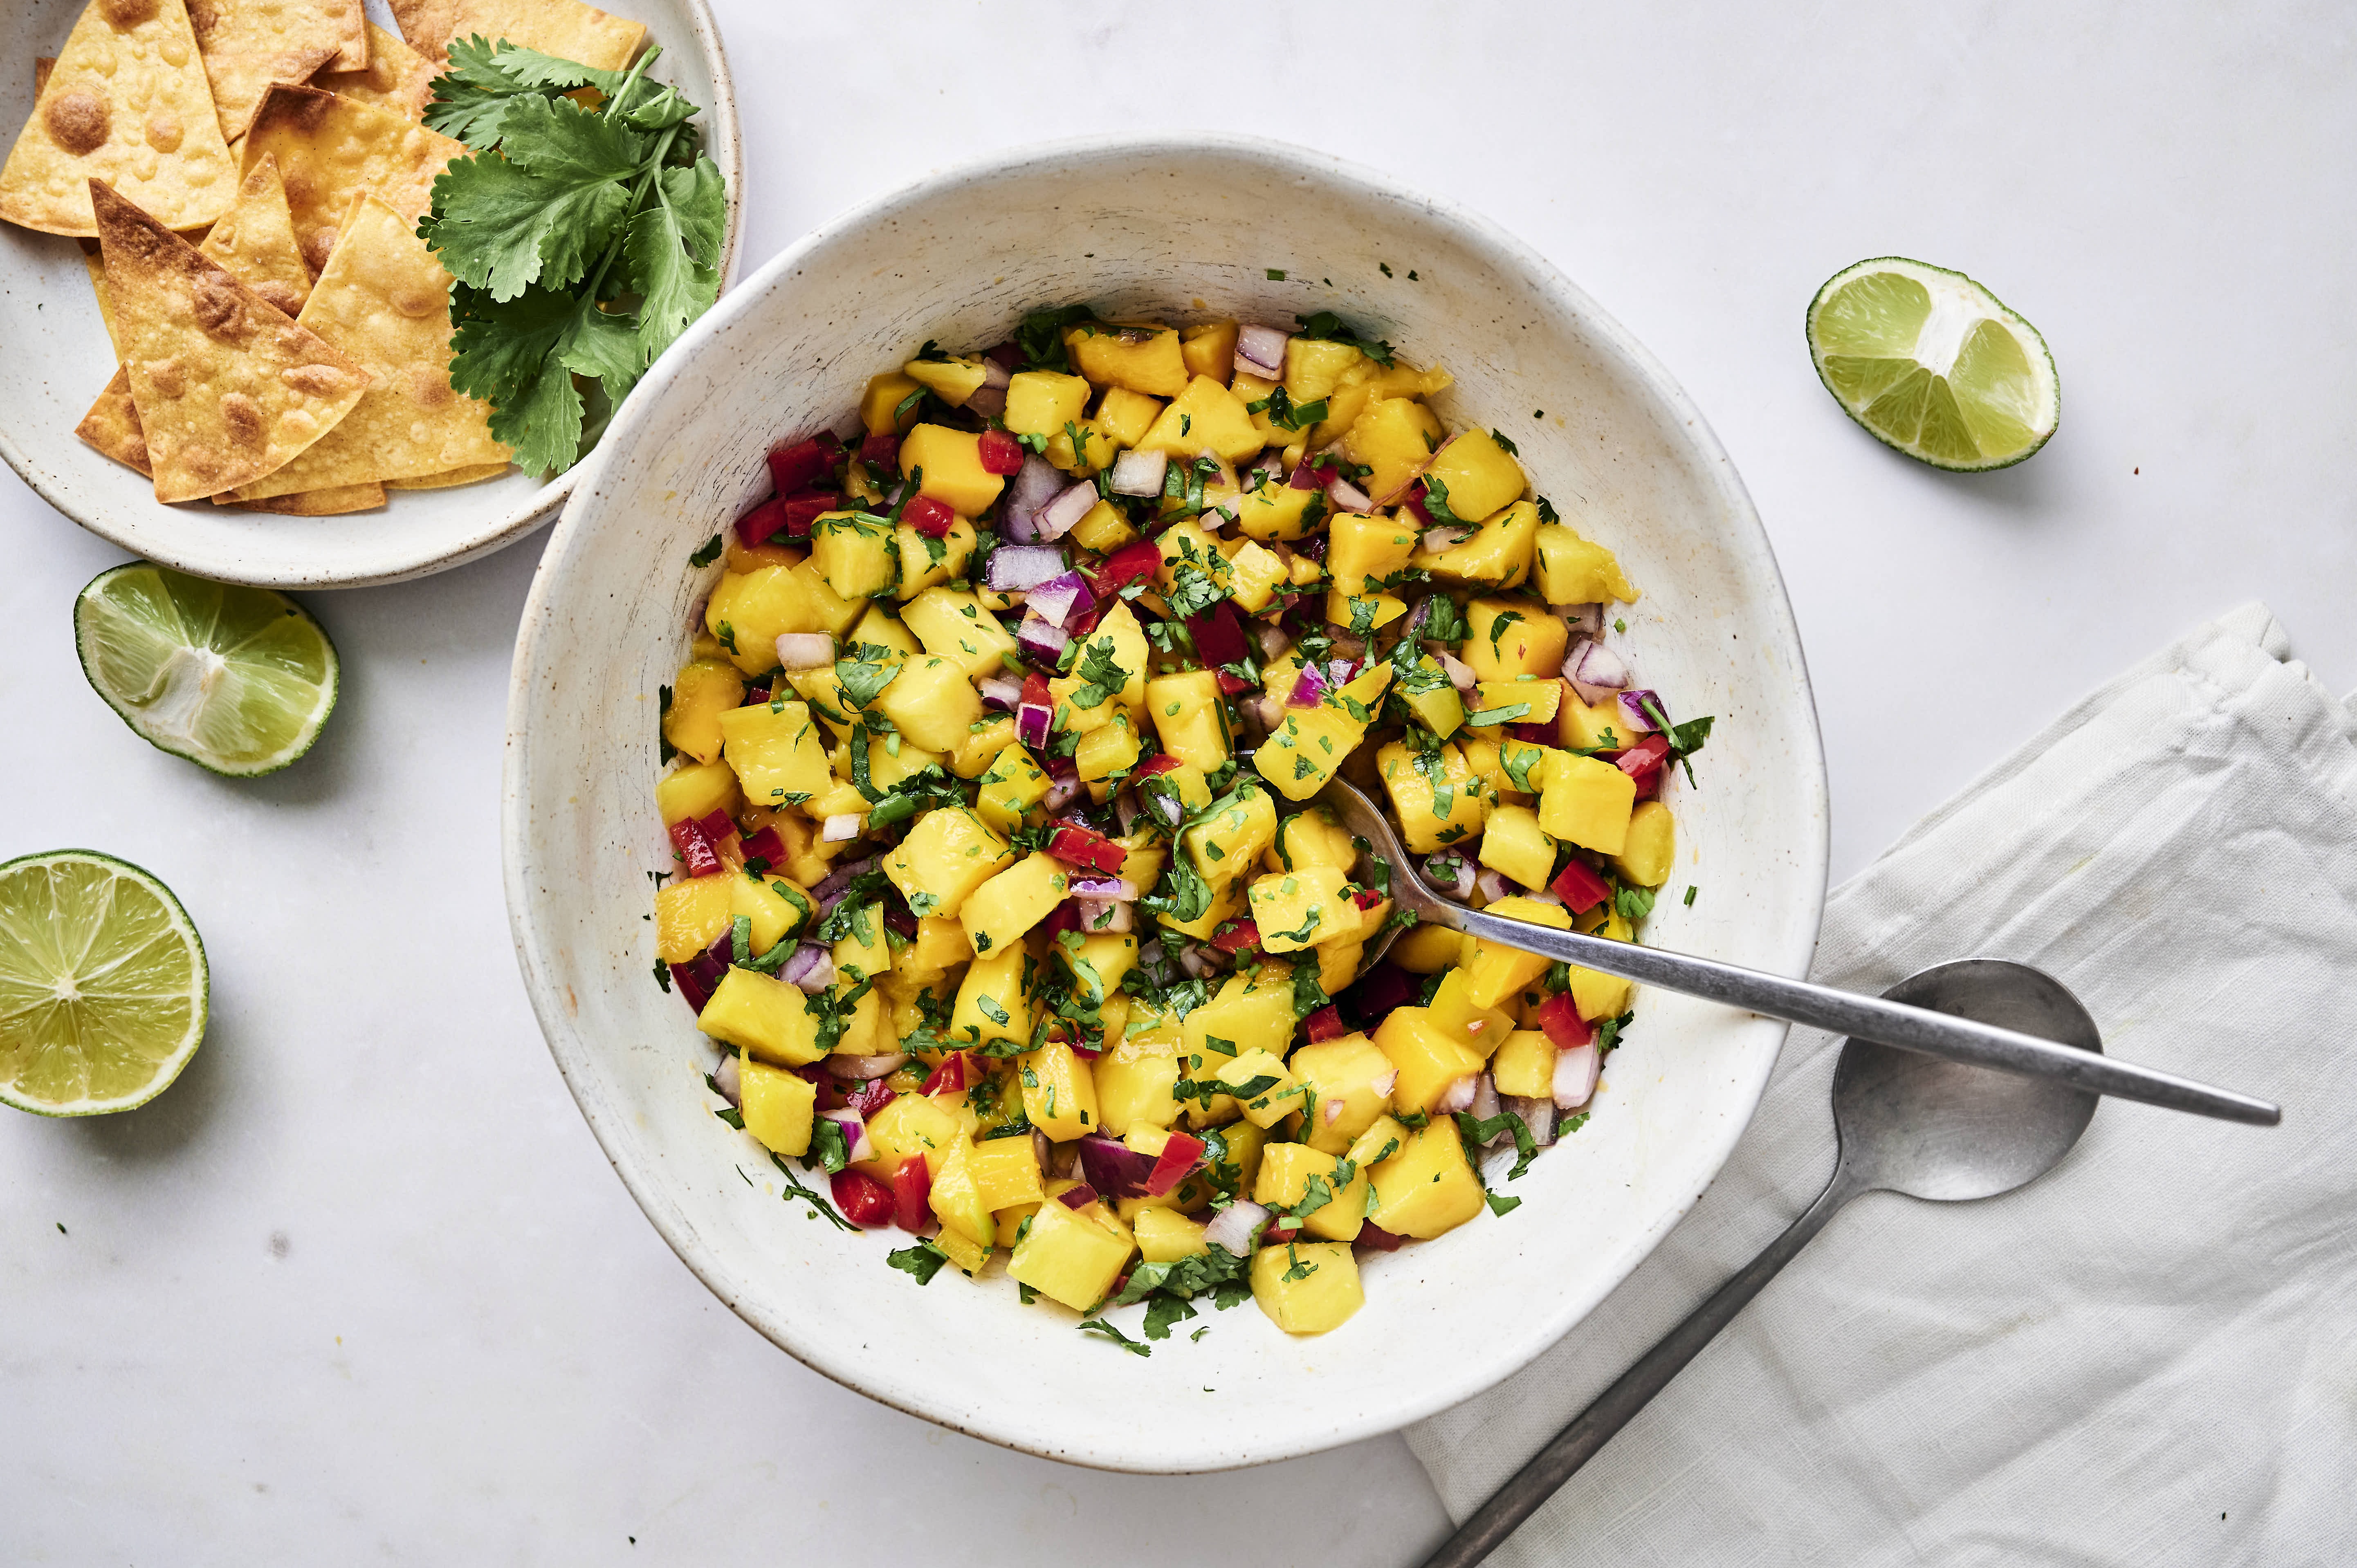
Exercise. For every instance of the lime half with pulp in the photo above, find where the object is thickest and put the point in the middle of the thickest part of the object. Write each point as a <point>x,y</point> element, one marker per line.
<point>235,680</point>
<point>1933,364</point>
<point>102,984</point>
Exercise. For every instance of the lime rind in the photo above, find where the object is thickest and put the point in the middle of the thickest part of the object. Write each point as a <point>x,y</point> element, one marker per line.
<point>104,990</point>
<point>1933,365</point>
<point>238,680</point>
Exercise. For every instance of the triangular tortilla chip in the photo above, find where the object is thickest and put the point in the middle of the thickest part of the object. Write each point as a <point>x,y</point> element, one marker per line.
<point>565,28</point>
<point>227,388</point>
<point>249,44</point>
<point>42,66</point>
<point>254,241</point>
<point>127,104</point>
<point>398,78</point>
<point>473,475</point>
<point>351,31</point>
<point>330,149</point>
<point>386,301</point>
<point>320,503</point>
<point>113,425</point>
<point>96,264</point>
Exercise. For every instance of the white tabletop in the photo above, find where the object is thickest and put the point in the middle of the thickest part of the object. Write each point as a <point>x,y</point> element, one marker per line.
<point>362,1284</point>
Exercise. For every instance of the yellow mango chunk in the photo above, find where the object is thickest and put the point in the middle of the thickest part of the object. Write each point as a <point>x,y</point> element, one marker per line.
<point>703,691</point>
<point>932,702</point>
<point>1498,554</point>
<point>1514,845</point>
<point>1588,801</point>
<point>1209,349</point>
<point>912,1127</point>
<point>777,753</point>
<point>1296,910</point>
<point>952,625</point>
<point>1142,356</point>
<point>1205,417</point>
<point>1006,1171</point>
<point>698,790</point>
<point>1525,1065</point>
<point>1428,1057</point>
<point>1261,1085</point>
<point>763,1015</point>
<point>1059,1092</point>
<point>1067,1257</point>
<point>1307,1287</point>
<point>1395,436</point>
<point>996,914</point>
<point>1190,717</point>
<point>884,408</point>
<point>1012,788</point>
<point>854,556</point>
<point>1125,416</point>
<point>1428,1188</point>
<point>1650,846</point>
<point>1476,474</point>
<point>1040,402</point>
<point>951,852</point>
<point>1497,971</point>
<point>1513,635</point>
<point>1164,1235</point>
<point>1573,570</point>
<point>993,1001</point>
<point>1436,798</point>
<point>690,917</point>
<point>955,380</point>
<point>777,1106</point>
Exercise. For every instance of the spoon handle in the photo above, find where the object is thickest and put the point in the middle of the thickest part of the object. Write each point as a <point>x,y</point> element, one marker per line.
<point>1844,1013</point>
<point>1554,1465</point>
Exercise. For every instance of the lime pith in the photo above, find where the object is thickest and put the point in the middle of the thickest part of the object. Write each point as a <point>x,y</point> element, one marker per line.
<point>104,987</point>
<point>1933,364</point>
<point>238,680</point>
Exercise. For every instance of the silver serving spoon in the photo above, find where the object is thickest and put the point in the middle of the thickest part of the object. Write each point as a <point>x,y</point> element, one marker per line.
<point>1907,1124</point>
<point>1882,1019</point>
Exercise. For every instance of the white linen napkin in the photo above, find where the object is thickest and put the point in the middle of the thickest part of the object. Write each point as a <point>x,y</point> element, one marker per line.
<point>2148,1356</point>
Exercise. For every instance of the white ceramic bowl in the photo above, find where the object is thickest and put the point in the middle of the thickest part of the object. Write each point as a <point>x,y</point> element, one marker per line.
<point>1163,226</point>
<point>57,359</point>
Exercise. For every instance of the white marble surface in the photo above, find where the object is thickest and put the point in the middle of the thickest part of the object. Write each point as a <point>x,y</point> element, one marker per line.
<point>359,1286</point>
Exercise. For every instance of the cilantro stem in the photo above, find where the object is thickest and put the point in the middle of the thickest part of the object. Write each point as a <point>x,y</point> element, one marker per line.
<point>638,198</point>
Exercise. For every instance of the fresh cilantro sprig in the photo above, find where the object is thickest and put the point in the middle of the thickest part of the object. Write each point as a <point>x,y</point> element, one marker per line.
<point>1325,324</point>
<point>584,240</point>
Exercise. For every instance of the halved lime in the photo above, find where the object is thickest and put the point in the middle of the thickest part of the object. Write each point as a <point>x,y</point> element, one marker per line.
<point>1933,364</point>
<point>235,680</point>
<point>102,984</point>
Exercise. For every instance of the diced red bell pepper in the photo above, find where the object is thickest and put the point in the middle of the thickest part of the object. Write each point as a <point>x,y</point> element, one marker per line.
<point>1132,562</point>
<point>1087,1053</point>
<point>1000,453</point>
<point>801,511</point>
<point>688,837</point>
<point>717,825</point>
<point>1076,844</point>
<point>1160,762</point>
<point>1366,898</point>
<point>755,696</point>
<point>1558,1017</point>
<point>900,922</point>
<point>883,451</point>
<point>1084,622</point>
<point>912,1185</point>
<point>1534,735</point>
<point>766,847</point>
<point>1282,1229</point>
<point>756,526</point>
<point>1231,684</point>
<point>804,463</point>
<point>1035,691</point>
<point>1218,635</point>
<point>1175,1164</point>
<point>1236,936</point>
<point>864,1201</point>
<point>1580,887</point>
<point>1006,355</point>
<point>928,517</point>
<point>691,986</point>
<point>1415,503</point>
<point>1644,761</point>
<point>950,1078</point>
<point>869,1097</point>
<point>1381,1240</point>
<point>1064,916</point>
<point>1326,1024</point>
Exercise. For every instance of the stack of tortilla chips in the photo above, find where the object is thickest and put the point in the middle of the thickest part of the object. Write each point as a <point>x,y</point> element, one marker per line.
<point>252,173</point>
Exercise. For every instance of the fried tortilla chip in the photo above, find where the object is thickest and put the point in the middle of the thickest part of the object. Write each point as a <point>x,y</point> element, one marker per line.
<point>111,425</point>
<point>127,104</point>
<point>226,387</point>
<point>96,264</point>
<point>254,241</point>
<point>398,78</point>
<point>330,149</point>
<point>386,301</point>
<point>351,31</point>
<point>474,474</point>
<point>565,28</point>
<point>249,44</point>
<point>42,66</point>
<point>320,503</point>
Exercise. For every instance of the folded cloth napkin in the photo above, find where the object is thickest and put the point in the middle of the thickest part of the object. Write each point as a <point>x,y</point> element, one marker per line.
<point>2149,1356</point>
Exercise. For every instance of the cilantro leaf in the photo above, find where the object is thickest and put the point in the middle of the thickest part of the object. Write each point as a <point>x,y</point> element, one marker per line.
<point>536,209</point>
<point>673,247</point>
<point>924,1261</point>
<point>1325,324</point>
<point>1099,1326</point>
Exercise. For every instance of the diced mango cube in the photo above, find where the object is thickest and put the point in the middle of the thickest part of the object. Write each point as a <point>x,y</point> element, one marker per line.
<point>1497,971</point>
<point>764,1015</point>
<point>1477,473</point>
<point>1144,358</point>
<point>1164,1235</point>
<point>1296,910</point>
<point>1307,1287</point>
<point>1261,1085</point>
<point>1498,554</point>
<point>777,1106</point>
<point>1040,403</point>
<point>1588,801</point>
<point>1573,570</point>
<point>932,702</point>
<point>690,915</point>
<point>952,625</point>
<point>997,913</point>
<point>954,379</point>
<point>1514,845</point>
<point>951,852</point>
<point>1525,1065</point>
<point>1428,1187</point>
<point>993,1001</point>
<point>1651,847</point>
<point>1068,1258</point>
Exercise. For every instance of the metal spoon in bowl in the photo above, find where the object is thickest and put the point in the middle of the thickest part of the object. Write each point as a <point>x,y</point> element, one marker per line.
<point>1907,1124</point>
<point>1882,1019</point>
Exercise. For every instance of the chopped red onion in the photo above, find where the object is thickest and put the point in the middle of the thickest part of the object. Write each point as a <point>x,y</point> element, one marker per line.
<point>1172,810</point>
<point>1079,1196</point>
<point>1126,810</point>
<point>1383,1085</point>
<point>1101,916</point>
<point>730,1077</point>
<point>1596,671</point>
<point>1260,352</point>
<point>1196,962</point>
<point>1105,889</point>
<point>810,970</point>
<point>862,1068</point>
<point>1458,1096</point>
<point>1139,473</point>
<point>995,374</point>
<point>1060,597</point>
<point>805,651</point>
<point>1042,641</point>
<point>988,402</point>
<point>1061,516</point>
<point>1438,538</point>
<point>1538,1115</point>
<point>1031,723</point>
<point>1308,689</point>
<point>838,881</point>
<point>1036,484</point>
<point>854,1131</point>
<point>1585,621</point>
<point>1576,1072</point>
<point>842,829</point>
<point>1113,1168</point>
<point>1042,1150</point>
<point>1019,568</point>
<point>1000,691</point>
<point>1485,1101</point>
<point>1268,710</point>
<point>1348,497</point>
<point>1542,895</point>
<point>1059,793</point>
<point>1633,706</point>
<point>1493,885</point>
<point>1231,1227</point>
<point>1274,641</point>
<point>1451,872</point>
<point>1460,674</point>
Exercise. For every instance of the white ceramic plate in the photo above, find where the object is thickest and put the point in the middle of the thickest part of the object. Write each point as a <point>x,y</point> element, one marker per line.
<point>1153,226</point>
<point>58,360</point>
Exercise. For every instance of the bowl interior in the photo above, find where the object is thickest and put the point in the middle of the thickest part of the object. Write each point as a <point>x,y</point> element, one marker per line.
<point>58,359</point>
<point>1180,229</point>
